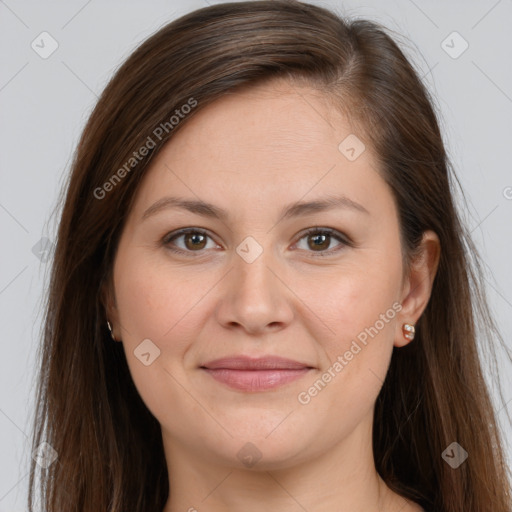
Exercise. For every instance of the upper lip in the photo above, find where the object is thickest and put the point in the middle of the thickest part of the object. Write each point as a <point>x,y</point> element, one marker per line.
<point>255,363</point>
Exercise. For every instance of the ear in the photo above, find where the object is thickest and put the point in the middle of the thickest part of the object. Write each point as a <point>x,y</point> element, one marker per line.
<point>417,286</point>
<point>109,303</point>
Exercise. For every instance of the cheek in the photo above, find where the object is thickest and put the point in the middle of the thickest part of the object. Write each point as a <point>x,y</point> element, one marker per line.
<point>152,305</point>
<point>361,308</point>
<point>357,298</point>
<point>366,306</point>
<point>151,300</point>
<point>355,358</point>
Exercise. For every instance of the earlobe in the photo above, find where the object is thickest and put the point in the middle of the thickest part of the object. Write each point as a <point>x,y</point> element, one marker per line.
<point>111,331</point>
<point>109,304</point>
<point>418,287</point>
<point>408,330</point>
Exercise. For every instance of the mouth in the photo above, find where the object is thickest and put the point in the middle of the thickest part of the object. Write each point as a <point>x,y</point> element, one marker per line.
<point>255,375</point>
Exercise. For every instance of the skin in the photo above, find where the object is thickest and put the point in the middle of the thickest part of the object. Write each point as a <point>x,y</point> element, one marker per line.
<point>252,153</point>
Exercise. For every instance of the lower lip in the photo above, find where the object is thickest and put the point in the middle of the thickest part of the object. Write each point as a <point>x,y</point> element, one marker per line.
<point>255,380</point>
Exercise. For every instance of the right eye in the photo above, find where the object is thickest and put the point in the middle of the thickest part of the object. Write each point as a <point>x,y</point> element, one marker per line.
<point>194,240</point>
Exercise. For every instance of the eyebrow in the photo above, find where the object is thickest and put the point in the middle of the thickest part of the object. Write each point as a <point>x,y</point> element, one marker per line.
<point>296,209</point>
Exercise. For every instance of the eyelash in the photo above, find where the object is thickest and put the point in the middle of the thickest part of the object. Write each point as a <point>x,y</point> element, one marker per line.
<point>344,240</point>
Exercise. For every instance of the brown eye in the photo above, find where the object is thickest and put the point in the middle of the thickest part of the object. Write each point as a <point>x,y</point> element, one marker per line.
<point>320,241</point>
<point>195,240</point>
<point>316,242</point>
<point>190,240</point>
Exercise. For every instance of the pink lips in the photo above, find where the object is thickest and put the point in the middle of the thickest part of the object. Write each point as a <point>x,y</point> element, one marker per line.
<point>252,375</point>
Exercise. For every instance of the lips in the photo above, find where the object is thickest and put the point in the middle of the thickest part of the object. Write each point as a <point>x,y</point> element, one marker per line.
<point>255,374</point>
<point>262,363</point>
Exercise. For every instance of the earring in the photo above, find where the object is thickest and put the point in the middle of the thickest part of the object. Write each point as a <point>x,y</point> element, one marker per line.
<point>408,331</point>
<point>110,329</point>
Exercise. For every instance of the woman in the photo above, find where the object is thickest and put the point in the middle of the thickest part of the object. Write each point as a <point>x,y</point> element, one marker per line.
<point>261,294</point>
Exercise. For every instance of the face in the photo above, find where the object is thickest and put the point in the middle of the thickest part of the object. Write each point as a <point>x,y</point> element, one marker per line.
<point>262,272</point>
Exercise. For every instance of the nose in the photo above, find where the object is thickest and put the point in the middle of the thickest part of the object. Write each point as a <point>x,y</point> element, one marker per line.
<point>255,297</point>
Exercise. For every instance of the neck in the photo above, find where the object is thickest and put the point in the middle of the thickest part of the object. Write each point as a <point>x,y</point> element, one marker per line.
<point>343,479</point>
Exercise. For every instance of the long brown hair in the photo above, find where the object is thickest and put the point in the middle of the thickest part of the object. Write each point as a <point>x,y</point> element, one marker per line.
<point>109,448</point>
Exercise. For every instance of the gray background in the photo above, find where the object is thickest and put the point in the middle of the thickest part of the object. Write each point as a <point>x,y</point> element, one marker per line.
<point>45,102</point>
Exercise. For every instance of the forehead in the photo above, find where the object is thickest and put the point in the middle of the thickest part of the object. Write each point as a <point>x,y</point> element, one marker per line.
<point>271,118</point>
<point>272,139</point>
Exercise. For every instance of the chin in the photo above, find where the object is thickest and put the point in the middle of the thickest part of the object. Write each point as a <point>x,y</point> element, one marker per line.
<point>259,451</point>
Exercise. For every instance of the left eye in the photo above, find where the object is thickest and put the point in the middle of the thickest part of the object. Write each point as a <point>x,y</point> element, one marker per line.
<point>318,240</point>
<point>195,240</point>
